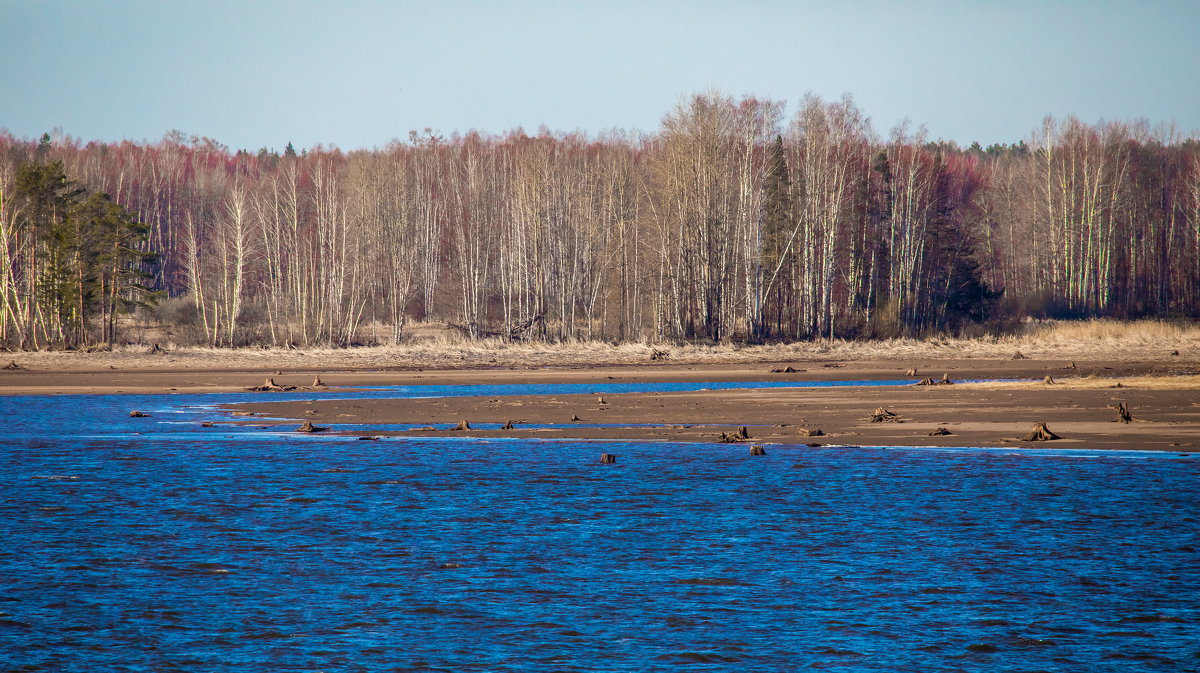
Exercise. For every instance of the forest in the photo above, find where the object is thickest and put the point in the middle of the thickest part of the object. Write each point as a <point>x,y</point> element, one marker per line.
<point>732,222</point>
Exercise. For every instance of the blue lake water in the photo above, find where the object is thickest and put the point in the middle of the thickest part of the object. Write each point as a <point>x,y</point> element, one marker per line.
<point>152,544</point>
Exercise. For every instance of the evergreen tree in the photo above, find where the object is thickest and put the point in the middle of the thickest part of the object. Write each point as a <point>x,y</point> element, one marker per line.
<point>776,230</point>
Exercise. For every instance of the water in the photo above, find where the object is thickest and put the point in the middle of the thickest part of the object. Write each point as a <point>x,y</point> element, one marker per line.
<point>238,549</point>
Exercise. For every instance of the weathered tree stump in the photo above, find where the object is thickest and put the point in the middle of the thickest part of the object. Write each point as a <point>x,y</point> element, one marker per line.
<point>318,383</point>
<point>757,450</point>
<point>939,431</point>
<point>743,433</point>
<point>307,426</point>
<point>925,382</point>
<point>727,438</point>
<point>1040,433</point>
<point>658,354</point>
<point>911,372</point>
<point>462,425</point>
<point>507,425</point>
<point>811,432</point>
<point>1049,380</point>
<point>601,400</point>
<point>137,414</point>
<point>882,415</point>
<point>1123,415</point>
<point>946,380</point>
<point>575,418</point>
<point>608,459</point>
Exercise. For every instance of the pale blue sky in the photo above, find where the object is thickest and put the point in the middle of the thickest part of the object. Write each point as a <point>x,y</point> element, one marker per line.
<point>357,74</point>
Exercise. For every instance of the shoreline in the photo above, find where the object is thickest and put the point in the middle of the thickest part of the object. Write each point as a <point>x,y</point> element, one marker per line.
<point>1163,395</point>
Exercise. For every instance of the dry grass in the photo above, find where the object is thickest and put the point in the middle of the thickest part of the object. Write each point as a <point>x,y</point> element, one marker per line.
<point>442,348</point>
<point>1166,382</point>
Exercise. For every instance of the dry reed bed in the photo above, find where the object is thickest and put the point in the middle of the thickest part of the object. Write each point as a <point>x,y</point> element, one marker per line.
<point>1085,340</point>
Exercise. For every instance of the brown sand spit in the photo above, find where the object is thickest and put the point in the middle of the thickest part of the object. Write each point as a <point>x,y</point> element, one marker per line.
<point>1165,382</point>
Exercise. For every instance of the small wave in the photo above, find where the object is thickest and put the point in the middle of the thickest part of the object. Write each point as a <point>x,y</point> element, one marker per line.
<point>696,658</point>
<point>712,582</point>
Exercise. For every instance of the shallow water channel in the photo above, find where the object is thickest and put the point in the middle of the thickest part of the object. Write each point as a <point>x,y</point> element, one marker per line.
<point>153,544</point>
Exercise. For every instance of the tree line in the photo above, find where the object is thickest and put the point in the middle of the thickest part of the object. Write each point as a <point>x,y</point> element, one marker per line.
<point>730,222</point>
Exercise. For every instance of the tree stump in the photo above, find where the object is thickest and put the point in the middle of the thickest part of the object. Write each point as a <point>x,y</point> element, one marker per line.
<point>307,426</point>
<point>743,433</point>
<point>758,450</point>
<point>939,431</point>
<point>811,432</point>
<point>1123,415</point>
<point>507,425</point>
<point>882,415</point>
<point>575,418</point>
<point>946,380</point>
<point>462,425</point>
<point>608,459</point>
<point>911,372</point>
<point>1049,380</point>
<point>318,383</point>
<point>1040,433</point>
<point>600,400</point>
<point>137,414</point>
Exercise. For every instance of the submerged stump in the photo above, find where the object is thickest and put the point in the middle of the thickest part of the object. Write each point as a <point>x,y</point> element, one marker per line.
<point>462,425</point>
<point>137,414</point>
<point>508,425</point>
<point>758,450</point>
<point>608,459</point>
<point>1040,433</point>
<point>307,426</point>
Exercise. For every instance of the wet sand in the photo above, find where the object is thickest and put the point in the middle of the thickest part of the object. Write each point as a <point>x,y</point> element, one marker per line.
<point>1165,402</point>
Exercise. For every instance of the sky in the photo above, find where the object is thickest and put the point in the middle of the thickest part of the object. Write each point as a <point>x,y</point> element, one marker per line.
<point>357,74</point>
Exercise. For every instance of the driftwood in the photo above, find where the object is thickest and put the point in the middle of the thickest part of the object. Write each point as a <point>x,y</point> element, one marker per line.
<point>757,450</point>
<point>939,431</point>
<point>367,438</point>
<point>269,386</point>
<point>608,459</point>
<point>137,414</point>
<point>658,354</point>
<point>1040,433</point>
<point>13,366</point>
<point>155,350</point>
<point>786,370</point>
<point>926,382</point>
<point>811,432</point>
<point>882,415</point>
<point>911,372</point>
<point>206,424</point>
<point>307,426</point>
<point>1020,356</point>
<point>462,425</point>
